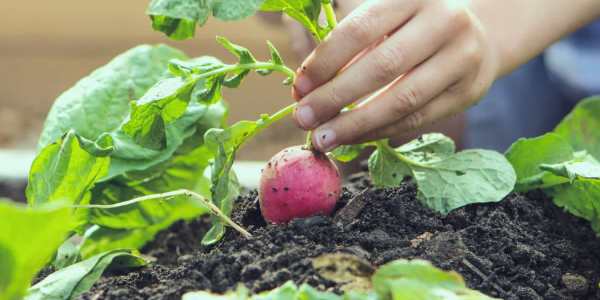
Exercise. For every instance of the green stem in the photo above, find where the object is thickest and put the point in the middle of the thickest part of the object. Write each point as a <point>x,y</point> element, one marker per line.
<point>169,195</point>
<point>329,14</point>
<point>253,66</point>
<point>384,144</point>
<point>266,122</point>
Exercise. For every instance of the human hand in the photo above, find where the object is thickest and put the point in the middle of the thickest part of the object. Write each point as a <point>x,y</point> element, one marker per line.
<point>417,61</point>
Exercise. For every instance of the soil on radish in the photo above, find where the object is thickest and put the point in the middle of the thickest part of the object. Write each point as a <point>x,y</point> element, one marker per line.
<point>521,248</point>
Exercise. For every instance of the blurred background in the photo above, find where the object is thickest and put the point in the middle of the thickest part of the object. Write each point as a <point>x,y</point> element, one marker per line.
<point>48,45</point>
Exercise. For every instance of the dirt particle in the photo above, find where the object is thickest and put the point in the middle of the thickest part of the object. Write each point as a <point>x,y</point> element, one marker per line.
<point>425,236</point>
<point>286,188</point>
<point>251,272</point>
<point>575,283</point>
<point>274,189</point>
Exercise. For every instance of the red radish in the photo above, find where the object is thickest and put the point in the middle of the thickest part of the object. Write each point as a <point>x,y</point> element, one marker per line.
<point>298,183</point>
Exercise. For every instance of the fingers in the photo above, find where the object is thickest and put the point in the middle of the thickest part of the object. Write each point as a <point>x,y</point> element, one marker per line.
<point>362,27</point>
<point>402,100</point>
<point>401,52</point>
<point>445,105</point>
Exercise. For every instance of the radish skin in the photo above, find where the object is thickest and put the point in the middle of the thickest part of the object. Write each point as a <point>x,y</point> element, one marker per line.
<point>298,183</point>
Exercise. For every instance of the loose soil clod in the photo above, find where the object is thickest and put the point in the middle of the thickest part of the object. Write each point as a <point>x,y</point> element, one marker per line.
<point>521,248</point>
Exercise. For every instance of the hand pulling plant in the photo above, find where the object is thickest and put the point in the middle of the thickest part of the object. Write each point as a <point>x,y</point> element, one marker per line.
<point>123,154</point>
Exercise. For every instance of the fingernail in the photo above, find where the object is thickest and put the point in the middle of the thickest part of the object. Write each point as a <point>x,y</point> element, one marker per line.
<point>324,138</point>
<point>305,116</point>
<point>302,85</point>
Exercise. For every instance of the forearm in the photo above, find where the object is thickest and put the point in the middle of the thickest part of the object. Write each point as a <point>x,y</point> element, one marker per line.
<point>521,29</point>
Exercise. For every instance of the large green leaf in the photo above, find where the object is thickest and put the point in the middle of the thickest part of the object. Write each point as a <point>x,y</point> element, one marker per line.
<point>419,280</point>
<point>467,177</point>
<point>130,156</point>
<point>306,12</point>
<point>98,239</point>
<point>198,81</point>
<point>65,171</point>
<point>564,163</point>
<point>99,102</point>
<point>181,172</point>
<point>134,225</point>
<point>581,198</point>
<point>581,127</point>
<point>28,239</point>
<point>178,18</point>
<point>526,156</point>
<point>445,180</point>
<point>70,282</point>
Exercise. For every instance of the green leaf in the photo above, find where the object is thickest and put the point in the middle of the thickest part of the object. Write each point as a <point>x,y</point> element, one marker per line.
<point>178,18</point>
<point>107,92</point>
<point>580,128</point>
<point>144,219</point>
<point>163,103</point>
<point>467,177</point>
<point>65,171</point>
<point>347,153</point>
<point>98,239</point>
<point>224,189</point>
<point>199,81</point>
<point>581,198</point>
<point>428,148</point>
<point>526,156</point>
<point>306,12</point>
<point>445,180</point>
<point>243,54</point>
<point>418,279</point>
<point>70,282</point>
<point>385,168</point>
<point>28,239</point>
<point>564,163</point>
<point>130,156</point>
<point>232,10</point>
<point>288,291</point>
<point>99,102</point>
<point>275,56</point>
<point>225,143</point>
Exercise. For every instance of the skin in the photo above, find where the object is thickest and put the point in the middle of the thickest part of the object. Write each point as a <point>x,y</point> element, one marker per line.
<point>411,63</point>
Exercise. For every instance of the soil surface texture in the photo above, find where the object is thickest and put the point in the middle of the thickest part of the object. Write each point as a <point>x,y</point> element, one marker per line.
<point>523,247</point>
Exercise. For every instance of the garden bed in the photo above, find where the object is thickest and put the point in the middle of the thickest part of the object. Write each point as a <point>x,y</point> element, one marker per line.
<point>523,247</point>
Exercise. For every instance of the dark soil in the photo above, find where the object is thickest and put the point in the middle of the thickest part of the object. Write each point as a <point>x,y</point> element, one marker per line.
<point>521,248</point>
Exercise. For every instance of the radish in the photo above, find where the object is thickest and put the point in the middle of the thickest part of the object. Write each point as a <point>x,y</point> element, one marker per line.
<point>298,183</point>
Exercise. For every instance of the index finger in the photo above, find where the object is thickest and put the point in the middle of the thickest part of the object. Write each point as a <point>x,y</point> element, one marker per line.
<point>363,27</point>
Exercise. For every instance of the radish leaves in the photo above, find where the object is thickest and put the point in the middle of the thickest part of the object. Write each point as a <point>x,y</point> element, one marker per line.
<point>28,239</point>
<point>178,18</point>
<point>70,282</point>
<point>445,180</point>
<point>564,163</point>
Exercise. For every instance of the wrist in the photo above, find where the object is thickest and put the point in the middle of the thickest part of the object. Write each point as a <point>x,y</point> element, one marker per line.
<point>519,31</point>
